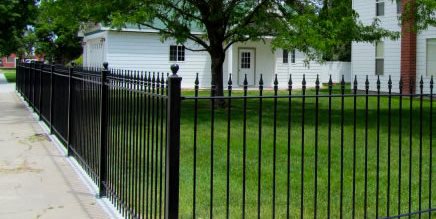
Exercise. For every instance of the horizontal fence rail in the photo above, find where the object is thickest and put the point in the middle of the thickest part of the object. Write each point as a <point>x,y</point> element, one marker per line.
<point>157,151</point>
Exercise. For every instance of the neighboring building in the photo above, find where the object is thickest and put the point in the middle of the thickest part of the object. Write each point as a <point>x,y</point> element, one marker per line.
<point>8,61</point>
<point>143,49</point>
<point>412,56</point>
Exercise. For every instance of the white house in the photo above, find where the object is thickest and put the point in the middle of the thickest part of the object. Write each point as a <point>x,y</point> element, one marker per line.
<point>411,56</point>
<point>142,49</point>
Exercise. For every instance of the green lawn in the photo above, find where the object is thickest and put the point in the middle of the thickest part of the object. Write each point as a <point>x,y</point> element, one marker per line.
<point>252,173</point>
<point>9,74</point>
<point>203,158</point>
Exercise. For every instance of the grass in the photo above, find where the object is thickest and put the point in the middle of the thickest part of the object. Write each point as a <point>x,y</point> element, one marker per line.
<point>389,168</point>
<point>9,75</point>
<point>203,158</point>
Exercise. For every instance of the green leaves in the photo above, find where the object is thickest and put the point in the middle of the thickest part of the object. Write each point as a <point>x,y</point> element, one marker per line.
<point>422,13</point>
<point>55,30</point>
<point>15,16</point>
<point>326,33</point>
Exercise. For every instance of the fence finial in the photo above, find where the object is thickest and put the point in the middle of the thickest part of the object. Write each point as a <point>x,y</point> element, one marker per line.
<point>276,82</point>
<point>230,82</point>
<point>355,82</point>
<point>366,84</point>
<point>197,82</point>
<point>390,83</point>
<point>378,83</point>
<point>105,65</point>
<point>174,69</point>
<point>261,81</point>
<point>317,81</point>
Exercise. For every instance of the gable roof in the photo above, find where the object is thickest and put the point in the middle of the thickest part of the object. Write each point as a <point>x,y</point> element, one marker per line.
<point>93,28</point>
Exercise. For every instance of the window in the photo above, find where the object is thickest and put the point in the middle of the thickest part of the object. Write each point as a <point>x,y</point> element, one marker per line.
<point>177,53</point>
<point>293,56</point>
<point>379,7</point>
<point>399,7</point>
<point>10,59</point>
<point>431,57</point>
<point>245,60</point>
<point>379,58</point>
<point>285,56</point>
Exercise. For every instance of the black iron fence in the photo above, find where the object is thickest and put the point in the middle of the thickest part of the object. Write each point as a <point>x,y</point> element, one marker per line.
<point>157,151</point>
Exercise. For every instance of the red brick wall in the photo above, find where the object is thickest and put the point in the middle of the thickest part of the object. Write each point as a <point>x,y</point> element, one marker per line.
<point>408,52</point>
<point>7,64</point>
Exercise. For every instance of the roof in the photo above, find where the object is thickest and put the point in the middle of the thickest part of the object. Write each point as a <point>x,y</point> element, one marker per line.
<point>91,29</point>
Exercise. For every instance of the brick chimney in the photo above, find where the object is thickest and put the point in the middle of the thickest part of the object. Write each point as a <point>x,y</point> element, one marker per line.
<point>408,49</point>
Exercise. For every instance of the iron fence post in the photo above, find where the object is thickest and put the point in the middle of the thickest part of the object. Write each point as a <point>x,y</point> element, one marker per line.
<point>24,71</point>
<point>17,83</point>
<point>32,76</point>
<point>51,98</point>
<point>70,122</point>
<point>103,131</point>
<point>173,144</point>
<point>41,66</point>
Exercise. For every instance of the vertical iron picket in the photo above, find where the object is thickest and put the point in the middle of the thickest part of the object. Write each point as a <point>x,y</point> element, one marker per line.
<point>400,143</point>
<point>388,193</point>
<point>103,131</point>
<point>229,112</point>
<point>259,150</point>
<point>315,197</point>
<point>274,147</point>
<point>244,146</point>
<point>303,107</point>
<point>329,139</point>
<point>288,173</point>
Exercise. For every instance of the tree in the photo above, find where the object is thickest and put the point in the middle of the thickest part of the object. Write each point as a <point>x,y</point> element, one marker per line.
<point>421,12</point>
<point>325,31</point>
<point>15,16</point>
<point>55,33</point>
<point>223,22</point>
<point>295,23</point>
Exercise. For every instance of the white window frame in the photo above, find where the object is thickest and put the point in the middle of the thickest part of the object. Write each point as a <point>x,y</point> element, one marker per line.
<point>285,57</point>
<point>399,6</point>
<point>180,53</point>
<point>379,57</point>
<point>381,3</point>
<point>293,56</point>
<point>431,55</point>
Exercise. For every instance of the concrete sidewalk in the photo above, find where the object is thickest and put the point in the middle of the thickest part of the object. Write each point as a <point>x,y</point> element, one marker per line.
<point>5,87</point>
<point>36,179</point>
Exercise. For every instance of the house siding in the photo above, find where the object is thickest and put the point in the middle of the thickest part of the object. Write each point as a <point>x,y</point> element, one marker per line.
<point>363,54</point>
<point>146,51</point>
<point>139,51</point>
<point>421,57</point>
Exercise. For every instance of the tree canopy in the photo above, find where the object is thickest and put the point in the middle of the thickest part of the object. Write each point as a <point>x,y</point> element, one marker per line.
<point>301,24</point>
<point>55,32</point>
<point>423,12</point>
<point>15,16</point>
<point>325,31</point>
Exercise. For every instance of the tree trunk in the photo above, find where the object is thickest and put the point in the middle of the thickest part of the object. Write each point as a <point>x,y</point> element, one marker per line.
<point>218,57</point>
